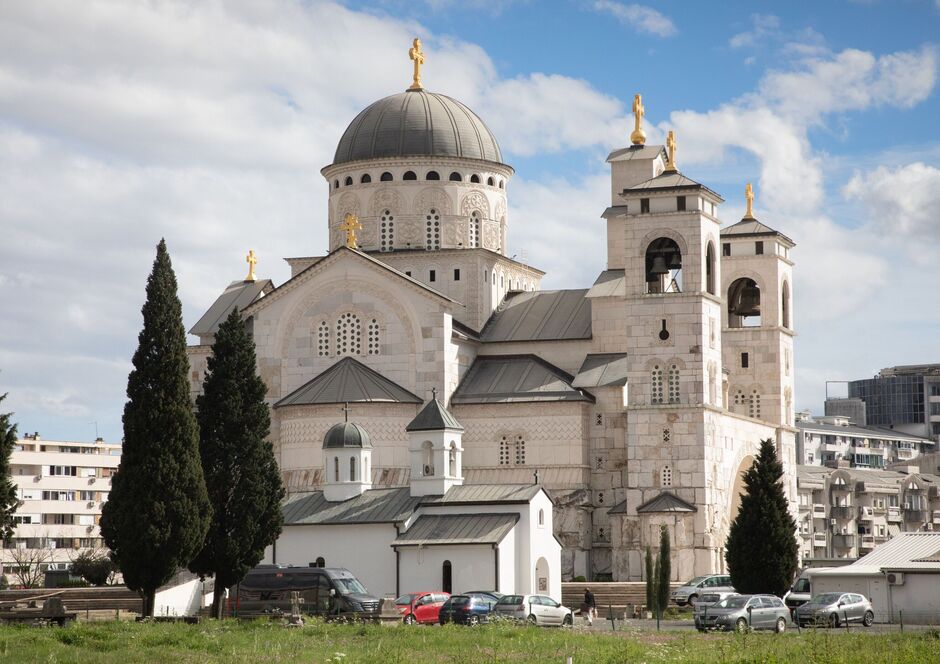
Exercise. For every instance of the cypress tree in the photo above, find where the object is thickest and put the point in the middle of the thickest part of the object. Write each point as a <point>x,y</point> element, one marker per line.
<point>657,573</point>
<point>664,567</point>
<point>8,500</point>
<point>157,514</point>
<point>761,548</point>
<point>241,472</point>
<point>650,581</point>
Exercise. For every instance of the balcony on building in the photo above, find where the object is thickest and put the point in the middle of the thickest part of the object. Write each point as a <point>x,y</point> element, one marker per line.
<point>936,516</point>
<point>864,513</point>
<point>842,511</point>
<point>819,511</point>
<point>843,541</point>
<point>894,513</point>
<point>912,514</point>
<point>819,539</point>
<point>867,542</point>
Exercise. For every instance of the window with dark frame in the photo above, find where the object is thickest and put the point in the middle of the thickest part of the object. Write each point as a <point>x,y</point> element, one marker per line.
<point>680,203</point>
<point>432,275</point>
<point>744,360</point>
<point>456,274</point>
<point>725,248</point>
<point>759,248</point>
<point>644,205</point>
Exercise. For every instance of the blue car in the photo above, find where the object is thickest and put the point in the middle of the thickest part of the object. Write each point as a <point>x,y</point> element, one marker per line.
<point>470,609</point>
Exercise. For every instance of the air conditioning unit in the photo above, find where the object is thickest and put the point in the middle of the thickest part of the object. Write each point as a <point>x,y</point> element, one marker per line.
<point>427,470</point>
<point>895,579</point>
<point>928,526</point>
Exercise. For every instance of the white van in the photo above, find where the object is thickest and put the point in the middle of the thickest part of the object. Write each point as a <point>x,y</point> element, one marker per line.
<point>802,589</point>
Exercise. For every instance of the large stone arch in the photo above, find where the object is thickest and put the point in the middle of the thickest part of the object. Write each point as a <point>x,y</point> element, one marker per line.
<point>737,485</point>
<point>386,198</point>
<point>432,197</point>
<point>675,236</point>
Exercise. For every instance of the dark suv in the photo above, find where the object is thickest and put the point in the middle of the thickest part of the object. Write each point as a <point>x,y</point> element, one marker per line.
<point>331,591</point>
<point>471,609</point>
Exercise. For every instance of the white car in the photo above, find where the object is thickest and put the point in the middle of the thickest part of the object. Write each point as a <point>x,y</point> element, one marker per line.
<point>535,609</point>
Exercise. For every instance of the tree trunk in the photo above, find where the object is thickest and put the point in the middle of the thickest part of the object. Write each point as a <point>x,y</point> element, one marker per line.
<point>218,594</point>
<point>149,602</point>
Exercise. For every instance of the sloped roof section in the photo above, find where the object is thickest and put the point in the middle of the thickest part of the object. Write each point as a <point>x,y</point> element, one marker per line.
<point>670,180</point>
<point>373,506</point>
<point>540,316</point>
<point>437,529</point>
<point>903,552</point>
<point>434,417</point>
<point>237,295</point>
<point>516,378</point>
<point>609,283</point>
<point>602,370</point>
<point>486,493</point>
<point>665,502</point>
<point>636,152</point>
<point>348,381</point>
<point>751,226</point>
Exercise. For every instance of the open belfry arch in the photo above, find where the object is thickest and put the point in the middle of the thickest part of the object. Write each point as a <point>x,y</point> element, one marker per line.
<point>637,399</point>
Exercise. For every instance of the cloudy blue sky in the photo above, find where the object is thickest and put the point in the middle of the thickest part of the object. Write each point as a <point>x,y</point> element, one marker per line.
<point>207,123</point>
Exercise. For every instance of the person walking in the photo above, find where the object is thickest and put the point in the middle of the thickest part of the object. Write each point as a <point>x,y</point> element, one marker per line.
<point>589,606</point>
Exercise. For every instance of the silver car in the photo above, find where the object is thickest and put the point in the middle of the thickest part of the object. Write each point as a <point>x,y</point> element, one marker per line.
<point>743,612</point>
<point>535,609</point>
<point>689,593</point>
<point>835,609</point>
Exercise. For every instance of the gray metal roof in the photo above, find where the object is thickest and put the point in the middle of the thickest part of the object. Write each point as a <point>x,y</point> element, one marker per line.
<point>619,508</point>
<point>373,506</point>
<point>903,552</point>
<point>669,180</point>
<point>486,493</point>
<point>864,432</point>
<point>417,122</point>
<point>540,316</point>
<point>431,529</point>
<point>346,434</point>
<point>237,295</point>
<point>615,211</point>
<point>434,417</point>
<point>609,283</point>
<point>750,226</point>
<point>602,370</point>
<point>515,378</point>
<point>348,381</point>
<point>666,502</point>
<point>636,152</point>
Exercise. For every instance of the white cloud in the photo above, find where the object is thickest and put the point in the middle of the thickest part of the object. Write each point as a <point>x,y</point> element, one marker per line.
<point>763,26</point>
<point>901,202</point>
<point>639,17</point>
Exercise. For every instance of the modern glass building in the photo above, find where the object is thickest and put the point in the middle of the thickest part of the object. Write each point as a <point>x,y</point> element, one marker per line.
<point>905,398</point>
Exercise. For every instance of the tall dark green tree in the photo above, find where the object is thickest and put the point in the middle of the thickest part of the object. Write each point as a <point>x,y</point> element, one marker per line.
<point>761,548</point>
<point>664,566</point>
<point>8,500</point>
<point>241,472</point>
<point>650,581</point>
<point>157,514</point>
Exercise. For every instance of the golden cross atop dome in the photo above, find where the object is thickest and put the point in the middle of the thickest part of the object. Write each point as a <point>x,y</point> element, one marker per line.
<point>252,261</point>
<point>638,137</point>
<point>671,147</point>
<point>350,225</point>
<point>749,198</point>
<point>415,54</point>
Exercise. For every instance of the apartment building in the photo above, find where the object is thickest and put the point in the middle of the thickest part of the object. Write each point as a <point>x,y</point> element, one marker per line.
<point>62,486</point>
<point>846,512</point>
<point>836,440</point>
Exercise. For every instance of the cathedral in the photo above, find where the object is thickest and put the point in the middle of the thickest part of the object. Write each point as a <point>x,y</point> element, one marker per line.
<point>634,403</point>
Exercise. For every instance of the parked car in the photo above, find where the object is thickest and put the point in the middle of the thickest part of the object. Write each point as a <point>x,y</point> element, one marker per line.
<point>535,609</point>
<point>710,598</point>
<point>469,609</point>
<point>421,607</point>
<point>834,609</point>
<point>802,589</point>
<point>486,594</point>
<point>743,612</point>
<point>325,591</point>
<point>689,593</point>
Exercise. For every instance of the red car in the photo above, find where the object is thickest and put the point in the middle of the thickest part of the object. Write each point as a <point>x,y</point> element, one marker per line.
<point>423,607</point>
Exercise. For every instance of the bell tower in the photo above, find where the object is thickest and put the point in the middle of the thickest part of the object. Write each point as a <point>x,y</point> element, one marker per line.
<point>435,446</point>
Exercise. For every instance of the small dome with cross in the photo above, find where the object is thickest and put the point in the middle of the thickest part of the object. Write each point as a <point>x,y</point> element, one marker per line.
<point>346,434</point>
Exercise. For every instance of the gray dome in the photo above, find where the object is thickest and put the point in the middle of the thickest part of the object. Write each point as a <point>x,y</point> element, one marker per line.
<point>417,122</point>
<point>346,434</point>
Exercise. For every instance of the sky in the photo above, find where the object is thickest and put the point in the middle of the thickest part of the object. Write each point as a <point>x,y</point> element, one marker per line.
<point>207,123</point>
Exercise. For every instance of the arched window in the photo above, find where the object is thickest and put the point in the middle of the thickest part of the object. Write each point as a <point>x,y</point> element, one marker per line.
<point>432,175</point>
<point>336,469</point>
<point>710,269</point>
<point>386,177</point>
<point>320,562</point>
<point>335,184</point>
<point>656,384</point>
<point>503,451</point>
<point>323,339</point>
<point>785,304</point>
<point>352,469</point>
<point>365,179</point>
<point>541,517</point>
<point>520,451</point>
<point>452,469</point>
<point>456,177</point>
<point>673,383</point>
<point>347,181</point>
<point>665,477</point>
<point>387,231</point>
<point>433,230</point>
<point>491,182</point>
<point>474,234</point>
<point>475,178</point>
<point>754,406</point>
<point>744,303</point>
<point>446,577</point>
<point>409,175</point>
<point>427,458</point>
<point>502,184</point>
<point>663,266</point>
<point>374,337</point>
<point>348,335</point>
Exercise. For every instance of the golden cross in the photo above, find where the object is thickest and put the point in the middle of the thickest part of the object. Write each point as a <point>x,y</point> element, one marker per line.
<point>252,261</point>
<point>638,137</point>
<point>350,225</point>
<point>415,54</point>
<point>749,197</point>
<point>671,146</point>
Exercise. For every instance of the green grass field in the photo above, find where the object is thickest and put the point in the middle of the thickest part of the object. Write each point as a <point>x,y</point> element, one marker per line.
<point>259,641</point>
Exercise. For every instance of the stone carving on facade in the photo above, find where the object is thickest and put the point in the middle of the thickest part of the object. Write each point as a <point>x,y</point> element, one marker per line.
<point>348,204</point>
<point>491,235</point>
<point>453,233</point>
<point>432,197</point>
<point>408,233</point>
<point>475,200</point>
<point>500,210</point>
<point>386,199</point>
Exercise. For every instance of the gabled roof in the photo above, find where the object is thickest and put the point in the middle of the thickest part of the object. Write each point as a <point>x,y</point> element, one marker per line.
<point>373,506</point>
<point>855,430</point>
<point>434,417</point>
<point>752,227</point>
<point>602,370</point>
<point>609,283</point>
<point>485,494</point>
<point>237,295</point>
<point>348,381</point>
<point>540,316</point>
<point>636,152</point>
<point>668,180</point>
<point>665,502</point>
<point>903,552</point>
<point>438,529</point>
<point>516,378</point>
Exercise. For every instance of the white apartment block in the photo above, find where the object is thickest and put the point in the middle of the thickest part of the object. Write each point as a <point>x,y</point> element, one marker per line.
<point>835,441</point>
<point>62,486</point>
<point>846,512</point>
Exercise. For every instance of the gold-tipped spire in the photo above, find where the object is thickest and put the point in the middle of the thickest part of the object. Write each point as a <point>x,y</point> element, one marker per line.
<point>415,54</point>
<point>638,137</point>
<point>749,198</point>
<point>252,261</point>
<point>350,225</point>
<point>671,148</point>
